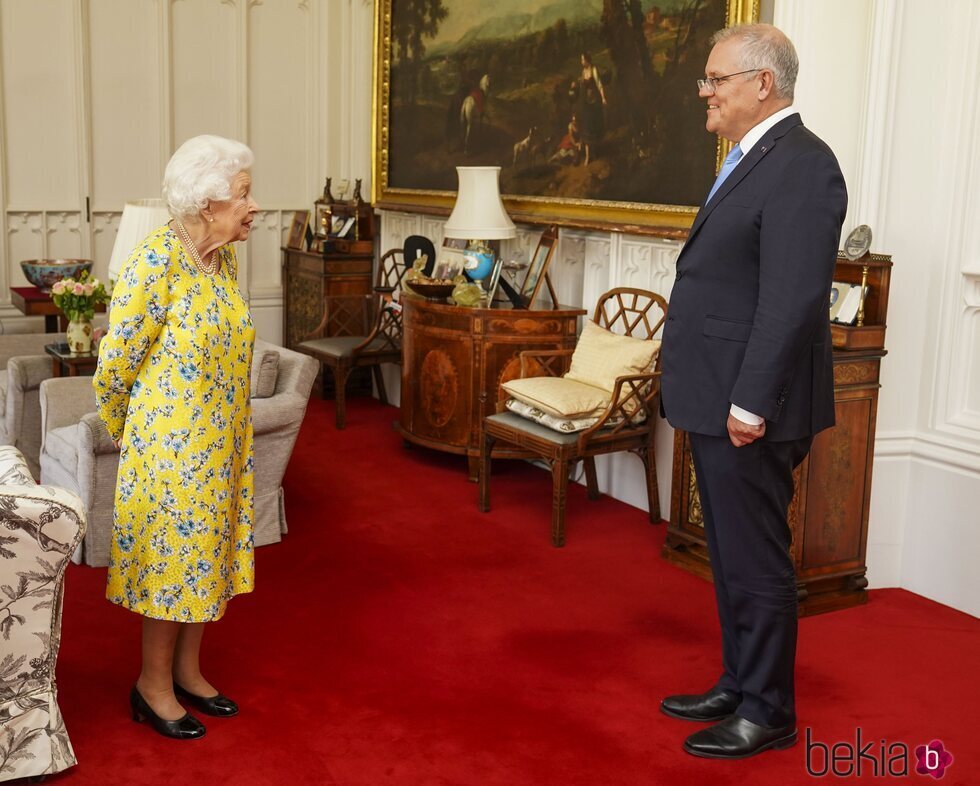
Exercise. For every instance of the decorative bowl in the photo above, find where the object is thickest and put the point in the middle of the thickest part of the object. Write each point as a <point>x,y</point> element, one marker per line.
<point>433,290</point>
<point>45,273</point>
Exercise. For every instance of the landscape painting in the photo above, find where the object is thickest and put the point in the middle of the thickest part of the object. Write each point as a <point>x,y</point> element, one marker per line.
<point>590,107</point>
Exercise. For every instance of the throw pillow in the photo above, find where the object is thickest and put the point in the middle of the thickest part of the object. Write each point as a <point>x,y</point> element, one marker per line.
<point>559,396</point>
<point>265,373</point>
<point>601,356</point>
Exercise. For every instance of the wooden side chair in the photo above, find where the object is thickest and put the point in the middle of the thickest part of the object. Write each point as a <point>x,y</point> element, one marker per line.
<point>360,330</point>
<point>623,418</point>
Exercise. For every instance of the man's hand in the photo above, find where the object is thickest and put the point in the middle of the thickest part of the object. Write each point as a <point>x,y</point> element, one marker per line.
<point>742,434</point>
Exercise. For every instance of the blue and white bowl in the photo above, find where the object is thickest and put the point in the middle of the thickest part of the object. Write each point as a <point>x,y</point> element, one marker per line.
<point>45,273</point>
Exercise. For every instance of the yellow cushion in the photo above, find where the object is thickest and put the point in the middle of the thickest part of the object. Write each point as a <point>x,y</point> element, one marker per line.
<point>601,356</point>
<point>559,396</point>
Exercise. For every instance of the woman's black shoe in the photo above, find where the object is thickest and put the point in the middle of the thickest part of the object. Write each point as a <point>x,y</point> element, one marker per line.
<point>219,706</point>
<point>186,728</point>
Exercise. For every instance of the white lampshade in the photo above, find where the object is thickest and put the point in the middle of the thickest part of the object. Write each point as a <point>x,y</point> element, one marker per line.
<point>139,218</point>
<point>479,212</point>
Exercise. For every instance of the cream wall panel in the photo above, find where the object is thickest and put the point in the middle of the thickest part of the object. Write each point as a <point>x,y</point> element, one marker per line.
<point>41,112</point>
<point>207,67</point>
<point>64,231</point>
<point>279,112</point>
<point>128,116</point>
<point>25,240</point>
<point>104,228</point>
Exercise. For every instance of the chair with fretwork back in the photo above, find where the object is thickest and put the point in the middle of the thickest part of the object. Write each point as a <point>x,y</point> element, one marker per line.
<point>625,424</point>
<point>360,331</point>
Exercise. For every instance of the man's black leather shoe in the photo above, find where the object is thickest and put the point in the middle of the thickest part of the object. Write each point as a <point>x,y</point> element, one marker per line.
<point>738,738</point>
<point>711,706</point>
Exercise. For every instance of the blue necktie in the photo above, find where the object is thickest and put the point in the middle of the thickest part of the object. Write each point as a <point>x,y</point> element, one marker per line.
<point>726,169</point>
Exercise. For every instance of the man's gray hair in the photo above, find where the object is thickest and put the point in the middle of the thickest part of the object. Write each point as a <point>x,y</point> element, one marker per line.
<point>765,47</point>
<point>201,171</point>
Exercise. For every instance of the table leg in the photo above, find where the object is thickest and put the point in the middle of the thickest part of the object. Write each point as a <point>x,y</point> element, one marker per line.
<point>56,368</point>
<point>72,370</point>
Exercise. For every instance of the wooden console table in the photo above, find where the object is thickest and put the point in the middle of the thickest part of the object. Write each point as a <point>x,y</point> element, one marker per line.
<point>454,360</point>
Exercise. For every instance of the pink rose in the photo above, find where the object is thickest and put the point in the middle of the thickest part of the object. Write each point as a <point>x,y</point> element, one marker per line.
<point>58,288</point>
<point>77,288</point>
<point>88,289</point>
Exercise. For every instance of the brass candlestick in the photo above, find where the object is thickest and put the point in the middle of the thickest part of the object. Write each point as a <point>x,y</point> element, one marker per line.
<point>864,287</point>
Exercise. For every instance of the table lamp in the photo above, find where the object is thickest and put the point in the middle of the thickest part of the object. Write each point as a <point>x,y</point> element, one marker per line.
<point>139,218</point>
<point>479,216</point>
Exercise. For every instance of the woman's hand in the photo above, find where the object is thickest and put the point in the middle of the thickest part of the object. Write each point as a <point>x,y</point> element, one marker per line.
<point>117,443</point>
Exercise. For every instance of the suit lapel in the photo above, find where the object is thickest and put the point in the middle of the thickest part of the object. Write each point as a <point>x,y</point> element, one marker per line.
<point>761,149</point>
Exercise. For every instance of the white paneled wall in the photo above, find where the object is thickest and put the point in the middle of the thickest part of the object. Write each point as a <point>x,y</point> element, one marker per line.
<point>95,95</point>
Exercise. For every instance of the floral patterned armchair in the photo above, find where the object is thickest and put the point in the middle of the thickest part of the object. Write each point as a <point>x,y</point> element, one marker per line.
<point>40,527</point>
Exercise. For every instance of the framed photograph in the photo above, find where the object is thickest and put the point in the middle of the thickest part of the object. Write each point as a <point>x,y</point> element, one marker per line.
<point>298,230</point>
<point>449,263</point>
<point>588,130</point>
<point>455,242</point>
<point>539,266</point>
<point>494,281</point>
<point>346,223</point>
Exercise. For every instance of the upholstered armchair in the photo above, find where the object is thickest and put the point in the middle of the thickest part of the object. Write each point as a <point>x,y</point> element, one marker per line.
<point>42,526</point>
<point>77,452</point>
<point>23,366</point>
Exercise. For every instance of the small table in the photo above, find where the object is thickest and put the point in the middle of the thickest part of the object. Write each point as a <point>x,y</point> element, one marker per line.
<point>75,364</point>
<point>32,302</point>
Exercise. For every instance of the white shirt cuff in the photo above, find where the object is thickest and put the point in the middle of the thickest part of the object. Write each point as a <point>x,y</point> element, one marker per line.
<point>745,416</point>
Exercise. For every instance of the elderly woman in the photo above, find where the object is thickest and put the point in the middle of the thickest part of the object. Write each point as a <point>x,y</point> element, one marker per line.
<point>172,387</point>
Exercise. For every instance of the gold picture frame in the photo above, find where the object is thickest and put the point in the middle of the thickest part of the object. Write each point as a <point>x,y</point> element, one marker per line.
<point>411,103</point>
<point>298,229</point>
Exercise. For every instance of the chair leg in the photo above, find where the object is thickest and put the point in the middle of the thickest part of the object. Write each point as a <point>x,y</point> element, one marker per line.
<point>559,483</point>
<point>653,490</point>
<point>379,381</point>
<point>486,446</point>
<point>340,374</point>
<point>590,478</point>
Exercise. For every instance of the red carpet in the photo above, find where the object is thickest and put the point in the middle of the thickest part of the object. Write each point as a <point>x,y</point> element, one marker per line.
<point>398,636</point>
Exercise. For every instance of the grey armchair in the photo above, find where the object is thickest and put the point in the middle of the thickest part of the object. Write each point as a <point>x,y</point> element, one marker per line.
<point>23,366</point>
<point>77,453</point>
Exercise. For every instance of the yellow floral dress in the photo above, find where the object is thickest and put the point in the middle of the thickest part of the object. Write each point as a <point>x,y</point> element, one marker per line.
<point>173,384</point>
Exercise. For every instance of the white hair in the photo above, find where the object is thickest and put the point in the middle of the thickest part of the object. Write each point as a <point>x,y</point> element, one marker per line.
<point>765,47</point>
<point>201,171</point>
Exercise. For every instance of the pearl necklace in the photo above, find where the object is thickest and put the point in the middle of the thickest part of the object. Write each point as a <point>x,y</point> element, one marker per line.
<point>209,268</point>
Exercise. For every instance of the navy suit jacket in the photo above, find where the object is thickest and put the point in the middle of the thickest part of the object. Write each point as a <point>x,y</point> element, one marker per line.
<point>748,320</point>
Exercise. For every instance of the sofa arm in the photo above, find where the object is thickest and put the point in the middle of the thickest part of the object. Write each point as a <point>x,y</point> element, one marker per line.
<point>64,400</point>
<point>93,435</point>
<point>27,372</point>
<point>277,412</point>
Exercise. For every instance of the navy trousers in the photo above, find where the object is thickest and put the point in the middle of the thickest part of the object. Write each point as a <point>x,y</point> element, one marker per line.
<point>745,493</point>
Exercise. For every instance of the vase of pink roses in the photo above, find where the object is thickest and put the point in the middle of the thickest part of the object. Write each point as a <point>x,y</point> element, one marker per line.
<point>77,300</point>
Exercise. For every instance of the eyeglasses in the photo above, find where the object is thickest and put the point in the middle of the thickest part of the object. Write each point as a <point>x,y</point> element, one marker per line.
<point>711,83</point>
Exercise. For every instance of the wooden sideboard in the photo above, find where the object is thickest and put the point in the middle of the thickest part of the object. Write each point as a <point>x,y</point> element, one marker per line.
<point>828,515</point>
<point>454,360</point>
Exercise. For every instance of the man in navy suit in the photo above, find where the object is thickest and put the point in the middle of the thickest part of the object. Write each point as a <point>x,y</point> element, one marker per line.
<point>747,371</point>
